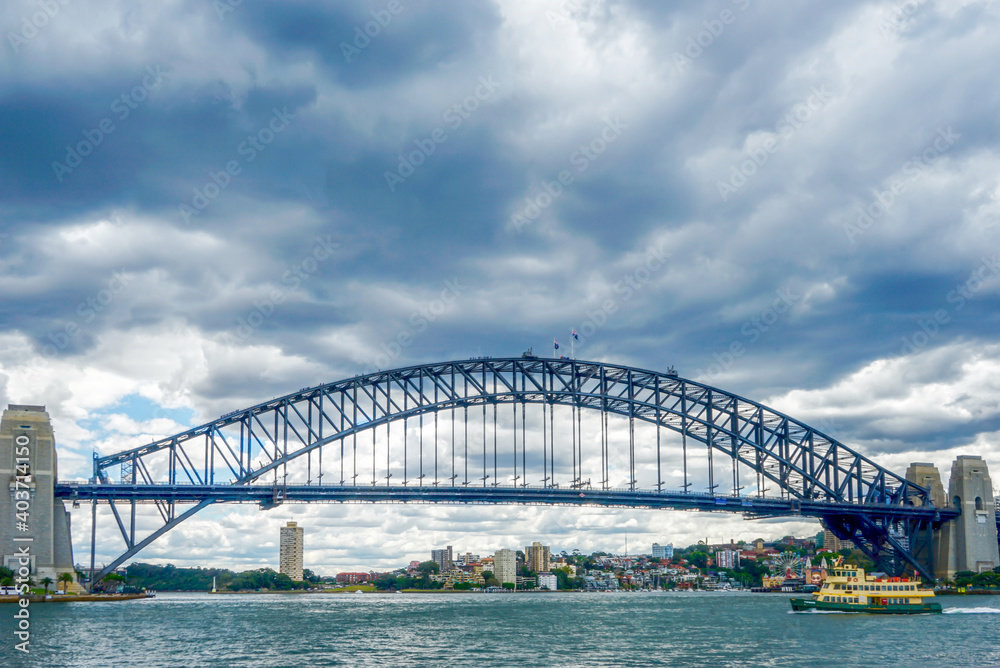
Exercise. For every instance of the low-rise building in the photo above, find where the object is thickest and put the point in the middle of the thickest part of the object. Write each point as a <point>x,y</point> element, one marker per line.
<point>458,576</point>
<point>548,581</point>
<point>352,578</point>
<point>772,582</point>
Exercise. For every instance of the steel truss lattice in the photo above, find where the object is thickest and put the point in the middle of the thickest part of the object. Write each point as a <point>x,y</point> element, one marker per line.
<point>244,452</point>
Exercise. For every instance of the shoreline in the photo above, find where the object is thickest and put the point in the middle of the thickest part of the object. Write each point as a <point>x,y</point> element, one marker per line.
<point>71,598</point>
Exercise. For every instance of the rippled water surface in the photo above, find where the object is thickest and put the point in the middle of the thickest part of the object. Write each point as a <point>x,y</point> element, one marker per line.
<point>650,629</point>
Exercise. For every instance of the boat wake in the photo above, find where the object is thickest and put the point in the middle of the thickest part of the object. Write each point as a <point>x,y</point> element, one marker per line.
<point>825,612</point>
<point>972,611</point>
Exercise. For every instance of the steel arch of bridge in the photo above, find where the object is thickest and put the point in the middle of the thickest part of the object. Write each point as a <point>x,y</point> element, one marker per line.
<point>225,460</point>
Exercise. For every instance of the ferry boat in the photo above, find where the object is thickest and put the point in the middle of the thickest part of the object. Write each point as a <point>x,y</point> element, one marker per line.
<point>848,588</point>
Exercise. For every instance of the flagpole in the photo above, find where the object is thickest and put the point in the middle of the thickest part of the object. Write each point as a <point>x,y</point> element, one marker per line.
<point>572,344</point>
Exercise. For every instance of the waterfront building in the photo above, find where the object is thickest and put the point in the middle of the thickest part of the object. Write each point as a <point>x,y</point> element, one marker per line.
<point>524,582</point>
<point>772,581</point>
<point>352,578</point>
<point>291,551</point>
<point>443,558</point>
<point>548,581</point>
<point>601,581</point>
<point>536,557</point>
<point>457,576</point>
<point>505,566</point>
<point>663,551</point>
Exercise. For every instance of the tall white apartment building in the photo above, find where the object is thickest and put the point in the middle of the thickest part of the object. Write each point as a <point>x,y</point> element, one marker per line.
<point>292,548</point>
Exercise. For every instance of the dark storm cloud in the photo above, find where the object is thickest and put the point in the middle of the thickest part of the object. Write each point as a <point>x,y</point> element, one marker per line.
<point>375,45</point>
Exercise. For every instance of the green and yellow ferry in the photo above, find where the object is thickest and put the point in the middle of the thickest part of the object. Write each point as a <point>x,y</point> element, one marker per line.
<point>848,589</point>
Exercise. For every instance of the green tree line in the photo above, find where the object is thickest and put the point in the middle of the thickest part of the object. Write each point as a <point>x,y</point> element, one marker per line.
<point>171,578</point>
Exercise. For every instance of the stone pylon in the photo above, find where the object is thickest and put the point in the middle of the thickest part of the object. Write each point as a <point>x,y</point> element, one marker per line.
<point>973,535</point>
<point>34,525</point>
<point>932,550</point>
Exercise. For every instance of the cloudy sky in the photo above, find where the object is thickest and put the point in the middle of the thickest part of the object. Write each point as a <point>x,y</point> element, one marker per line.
<point>205,205</point>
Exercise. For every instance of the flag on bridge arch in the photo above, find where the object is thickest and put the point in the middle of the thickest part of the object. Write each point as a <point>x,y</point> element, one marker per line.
<point>555,344</point>
<point>575,335</point>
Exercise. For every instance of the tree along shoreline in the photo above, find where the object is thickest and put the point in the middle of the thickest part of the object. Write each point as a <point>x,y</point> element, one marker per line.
<point>190,580</point>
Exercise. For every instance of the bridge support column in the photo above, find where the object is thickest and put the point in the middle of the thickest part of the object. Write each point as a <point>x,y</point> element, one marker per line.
<point>971,538</point>
<point>34,525</point>
<point>931,547</point>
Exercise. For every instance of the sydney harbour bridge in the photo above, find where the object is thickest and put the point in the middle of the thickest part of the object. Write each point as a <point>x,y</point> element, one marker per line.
<point>522,430</point>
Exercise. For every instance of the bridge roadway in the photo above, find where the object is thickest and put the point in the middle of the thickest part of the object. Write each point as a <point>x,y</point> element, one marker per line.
<point>269,496</point>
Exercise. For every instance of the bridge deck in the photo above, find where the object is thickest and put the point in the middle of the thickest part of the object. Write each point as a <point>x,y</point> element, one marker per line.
<point>267,495</point>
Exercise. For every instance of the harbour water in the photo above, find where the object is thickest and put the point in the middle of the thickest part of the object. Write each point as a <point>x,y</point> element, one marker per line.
<point>558,629</point>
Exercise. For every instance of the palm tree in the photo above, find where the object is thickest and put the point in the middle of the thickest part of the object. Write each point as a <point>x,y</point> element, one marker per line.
<point>65,579</point>
<point>46,581</point>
